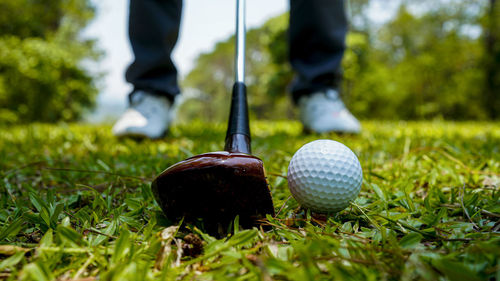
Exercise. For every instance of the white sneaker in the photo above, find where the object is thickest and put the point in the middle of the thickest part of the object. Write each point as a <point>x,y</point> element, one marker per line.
<point>148,116</point>
<point>324,111</point>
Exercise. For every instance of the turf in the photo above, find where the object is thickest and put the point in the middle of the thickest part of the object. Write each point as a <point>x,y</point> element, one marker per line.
<point>76,203</point>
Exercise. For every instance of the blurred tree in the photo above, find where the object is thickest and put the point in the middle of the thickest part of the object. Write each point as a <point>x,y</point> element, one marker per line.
<point>213,78</point>
<point>357,11</point>
<point>420,66</point>
<point>428,61</point>
<point>492,59</point>
<point>41,54</point>
<point>267,71</point>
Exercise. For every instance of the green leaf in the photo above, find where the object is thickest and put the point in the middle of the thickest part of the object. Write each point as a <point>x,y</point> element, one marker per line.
<point>37,202</point>
<point>45,218</point>
<point>38,271</point>
<point>122,245</point>
<point>379,192</point>
<point>455,270</point>
<point>242,237</point>
<point>427,203</point>
<point>103,165</point>
<point>236,224</point>
<point>131,221</point>
<point>410,240</point>
<point>11,261</point>
<point>109,230</point>
<point>133,203</point>
<point>69,234</point>
<point>346,227</point>
<point>55,215</point>
<point>47,239</point>
<point>12,229</point>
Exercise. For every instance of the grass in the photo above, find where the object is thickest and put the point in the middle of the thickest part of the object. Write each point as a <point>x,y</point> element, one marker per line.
<point>76,204</point>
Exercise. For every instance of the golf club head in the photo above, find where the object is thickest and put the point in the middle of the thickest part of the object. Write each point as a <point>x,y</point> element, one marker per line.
<point>215,187</point>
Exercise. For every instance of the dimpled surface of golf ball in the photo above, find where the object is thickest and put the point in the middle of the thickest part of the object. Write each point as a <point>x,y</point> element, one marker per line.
<point>324,176</point>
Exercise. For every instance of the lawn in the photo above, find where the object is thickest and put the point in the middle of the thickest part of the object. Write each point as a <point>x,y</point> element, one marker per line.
<point>76,204</point>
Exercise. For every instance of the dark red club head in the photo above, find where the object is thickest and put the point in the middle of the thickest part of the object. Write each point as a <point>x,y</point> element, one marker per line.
<point>215,187</point>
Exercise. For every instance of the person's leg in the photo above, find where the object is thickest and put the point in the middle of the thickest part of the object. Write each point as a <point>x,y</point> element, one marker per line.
<point>153,31</point>
<point>316,44</point>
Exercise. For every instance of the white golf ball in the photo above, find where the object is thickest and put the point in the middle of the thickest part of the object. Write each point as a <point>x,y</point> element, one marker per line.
<point>324,176</point>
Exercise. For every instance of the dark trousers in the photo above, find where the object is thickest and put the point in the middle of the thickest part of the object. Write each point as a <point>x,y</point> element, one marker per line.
<point>316,40</point>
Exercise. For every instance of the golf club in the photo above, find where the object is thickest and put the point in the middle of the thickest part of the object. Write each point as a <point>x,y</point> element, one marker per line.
<point>218,186</point>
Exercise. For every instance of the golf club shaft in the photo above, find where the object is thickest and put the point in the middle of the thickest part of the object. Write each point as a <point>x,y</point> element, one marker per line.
<point>240,41</point>
<point>238,130</point>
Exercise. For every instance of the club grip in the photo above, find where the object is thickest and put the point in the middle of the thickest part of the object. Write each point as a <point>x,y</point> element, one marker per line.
<point>238,130</point>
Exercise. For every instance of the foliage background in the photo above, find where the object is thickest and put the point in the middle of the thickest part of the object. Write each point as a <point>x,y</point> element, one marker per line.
<point>41,54</point>
<point>433,59</point>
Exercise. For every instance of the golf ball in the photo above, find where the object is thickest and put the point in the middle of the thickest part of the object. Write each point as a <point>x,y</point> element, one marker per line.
<point>324,176</point>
